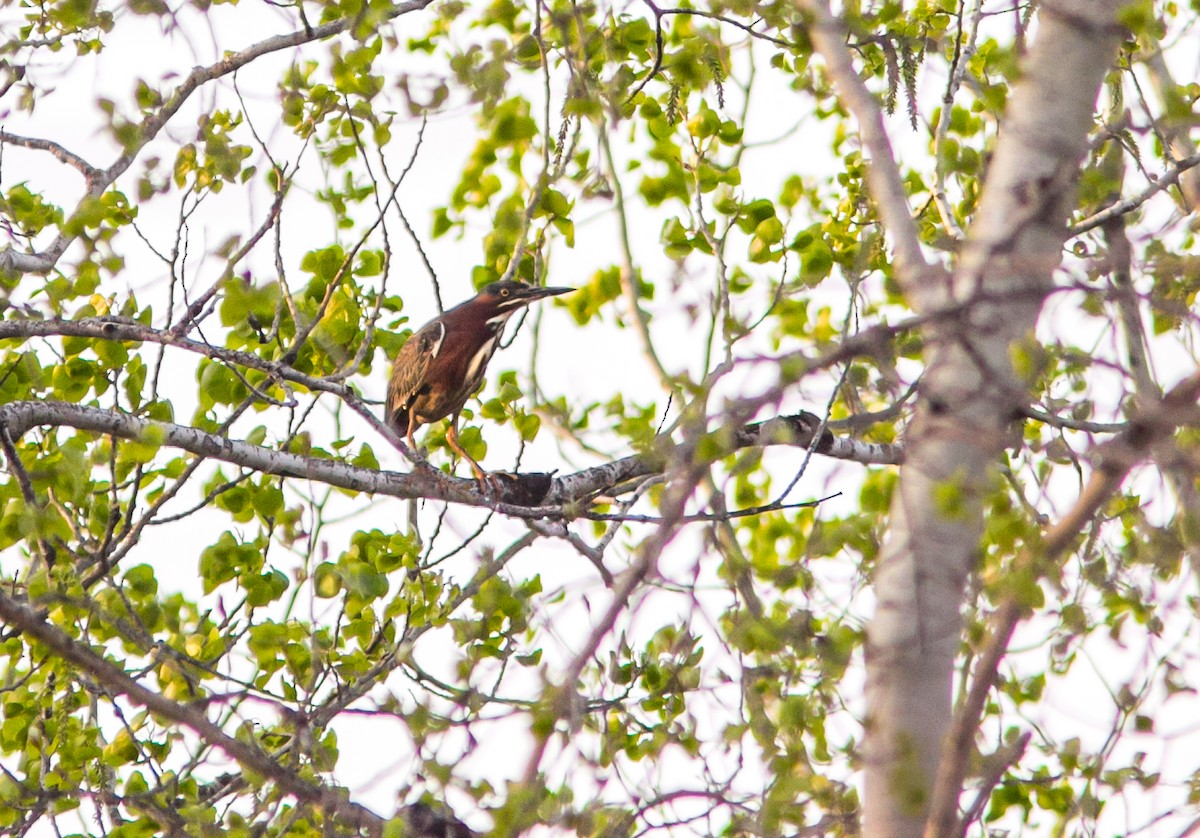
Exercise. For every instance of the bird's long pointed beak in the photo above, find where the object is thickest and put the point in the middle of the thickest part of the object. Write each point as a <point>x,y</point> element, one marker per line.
<point>540,293</point>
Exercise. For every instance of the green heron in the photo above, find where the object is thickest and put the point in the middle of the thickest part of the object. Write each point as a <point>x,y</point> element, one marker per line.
<point>442,363</point>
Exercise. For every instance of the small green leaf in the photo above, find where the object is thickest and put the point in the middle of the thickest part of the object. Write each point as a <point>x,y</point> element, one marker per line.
<point>327,580</point>
<point>528,425</point>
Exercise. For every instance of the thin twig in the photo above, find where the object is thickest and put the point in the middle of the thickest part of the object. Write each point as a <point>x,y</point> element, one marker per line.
<point>1170,177</point>
<point>1114,460</point>
<point>116,681</point>
<point>923,282</point>
<point>149,128</point>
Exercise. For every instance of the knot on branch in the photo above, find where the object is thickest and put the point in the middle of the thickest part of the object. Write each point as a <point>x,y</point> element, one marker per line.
<point>424,821</point>
<point>528,489</point>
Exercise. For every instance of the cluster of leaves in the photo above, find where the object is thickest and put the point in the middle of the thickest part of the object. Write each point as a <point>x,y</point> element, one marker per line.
<point>650,119</point>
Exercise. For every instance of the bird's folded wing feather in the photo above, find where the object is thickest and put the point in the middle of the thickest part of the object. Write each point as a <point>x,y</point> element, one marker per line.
<point>411,365</point>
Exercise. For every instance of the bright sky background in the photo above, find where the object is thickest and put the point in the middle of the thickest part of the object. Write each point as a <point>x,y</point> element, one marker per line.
<point>584,364</point>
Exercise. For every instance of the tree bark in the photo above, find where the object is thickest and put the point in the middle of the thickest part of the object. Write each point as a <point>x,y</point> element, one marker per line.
<point>970,396</point>
<point>524,495</point>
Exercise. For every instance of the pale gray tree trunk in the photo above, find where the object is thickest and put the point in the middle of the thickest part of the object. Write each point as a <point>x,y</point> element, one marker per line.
<point>970,397</point>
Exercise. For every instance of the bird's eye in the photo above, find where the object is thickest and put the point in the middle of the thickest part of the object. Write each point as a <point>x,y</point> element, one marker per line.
<point>503,292</point>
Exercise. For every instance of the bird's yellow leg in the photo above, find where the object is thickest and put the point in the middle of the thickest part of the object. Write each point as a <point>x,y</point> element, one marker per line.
<point>417,455</point>
<point>412,427</point>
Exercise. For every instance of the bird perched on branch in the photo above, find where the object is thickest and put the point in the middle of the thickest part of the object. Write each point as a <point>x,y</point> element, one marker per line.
<point>443,362</point>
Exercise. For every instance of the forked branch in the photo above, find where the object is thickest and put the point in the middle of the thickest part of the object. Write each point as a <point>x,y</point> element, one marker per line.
<point>1113,462</point>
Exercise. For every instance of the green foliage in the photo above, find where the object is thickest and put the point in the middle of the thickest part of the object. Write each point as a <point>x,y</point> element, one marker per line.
<point>693,172</point>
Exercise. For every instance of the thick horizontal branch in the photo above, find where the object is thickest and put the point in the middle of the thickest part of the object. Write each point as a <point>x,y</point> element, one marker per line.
<point>524,490</point>
<point>118,682</point>
<point>20,417</point>
<point>795,430</point>
<point>522,496</point>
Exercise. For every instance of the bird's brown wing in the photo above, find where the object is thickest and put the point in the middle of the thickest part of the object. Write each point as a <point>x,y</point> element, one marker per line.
<point>408,381</point>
